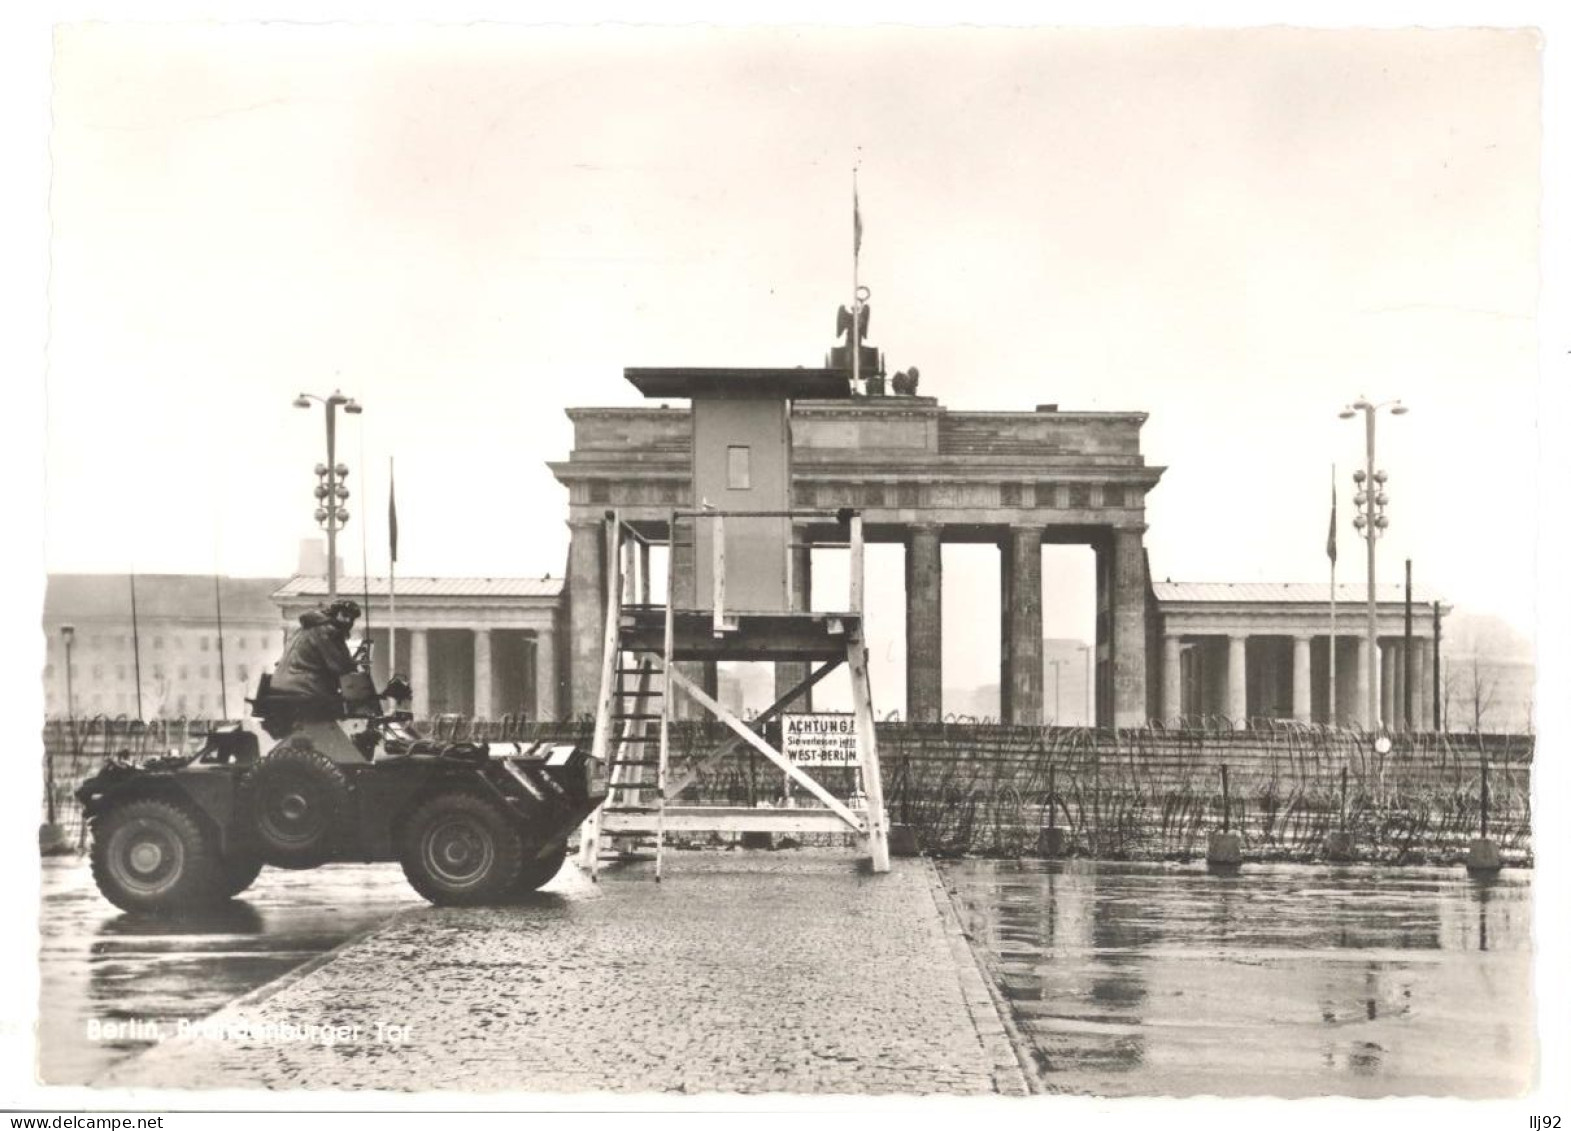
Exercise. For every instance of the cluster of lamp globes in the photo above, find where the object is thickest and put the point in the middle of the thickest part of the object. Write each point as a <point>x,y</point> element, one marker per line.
<point>1371,497</point>
<point>1374,494</point>
<point>330,501</point>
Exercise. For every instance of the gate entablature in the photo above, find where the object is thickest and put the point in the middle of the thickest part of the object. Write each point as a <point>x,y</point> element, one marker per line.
<point>922,475</point>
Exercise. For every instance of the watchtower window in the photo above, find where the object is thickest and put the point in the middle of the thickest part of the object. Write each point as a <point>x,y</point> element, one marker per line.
<point>739,467</point>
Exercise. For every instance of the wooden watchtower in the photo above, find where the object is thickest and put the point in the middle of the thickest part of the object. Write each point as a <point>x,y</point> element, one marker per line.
<point>728,597</point>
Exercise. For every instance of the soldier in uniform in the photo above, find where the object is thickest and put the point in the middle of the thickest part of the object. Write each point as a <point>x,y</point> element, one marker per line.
<point>315,658</point>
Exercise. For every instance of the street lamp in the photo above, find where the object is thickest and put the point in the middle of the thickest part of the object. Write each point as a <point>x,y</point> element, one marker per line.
<point>1090,720</point>
<point>68,634</point>
<point>331,493</point>
<point>1057,664</point>
<point>1371,522</point>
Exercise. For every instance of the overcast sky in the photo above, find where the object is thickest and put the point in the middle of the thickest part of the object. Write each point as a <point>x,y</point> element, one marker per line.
<point>471,228</point>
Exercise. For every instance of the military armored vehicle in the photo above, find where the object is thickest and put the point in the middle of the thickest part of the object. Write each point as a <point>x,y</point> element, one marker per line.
<point>470,822</point>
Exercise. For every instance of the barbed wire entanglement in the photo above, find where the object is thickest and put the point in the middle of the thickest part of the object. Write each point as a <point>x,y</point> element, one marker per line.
<point>985,789</point>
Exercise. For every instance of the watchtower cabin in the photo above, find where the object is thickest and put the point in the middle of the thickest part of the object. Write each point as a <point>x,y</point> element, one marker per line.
<point>729,596</point>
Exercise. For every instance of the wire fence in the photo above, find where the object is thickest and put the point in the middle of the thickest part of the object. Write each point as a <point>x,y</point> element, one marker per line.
<point>976,788</point>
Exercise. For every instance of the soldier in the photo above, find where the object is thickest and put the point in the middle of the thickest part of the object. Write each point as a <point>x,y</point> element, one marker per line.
<point>314,660</point>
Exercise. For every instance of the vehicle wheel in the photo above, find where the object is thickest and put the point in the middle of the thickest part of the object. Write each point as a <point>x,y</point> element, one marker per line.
<point>298,801</point>
<point>153,855</point>
<point>536,873</point>
<point>459,849</point>
<point>239,870</point>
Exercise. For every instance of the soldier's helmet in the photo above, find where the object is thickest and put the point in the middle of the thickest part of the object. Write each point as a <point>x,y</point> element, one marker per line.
<point>344,610</point>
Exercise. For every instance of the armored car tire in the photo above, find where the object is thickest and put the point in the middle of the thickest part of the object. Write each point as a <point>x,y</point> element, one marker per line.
<point>153,855</point>
<point>237,871</point>
<point>460,849</point>
<point>297,799</point>
<point>536,873</point>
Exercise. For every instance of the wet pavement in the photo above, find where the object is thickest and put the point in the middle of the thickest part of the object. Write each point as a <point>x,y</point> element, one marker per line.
<point>793,971</point>
<point>1279,980</point>
<point>111,981</point>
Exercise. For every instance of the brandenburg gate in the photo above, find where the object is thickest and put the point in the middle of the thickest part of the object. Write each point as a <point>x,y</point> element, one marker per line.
<point>920,475</point>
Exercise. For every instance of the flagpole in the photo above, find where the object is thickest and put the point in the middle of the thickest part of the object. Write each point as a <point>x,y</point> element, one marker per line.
<point>392,570</point>
<point>1331,709</point>
<point>856,290</point>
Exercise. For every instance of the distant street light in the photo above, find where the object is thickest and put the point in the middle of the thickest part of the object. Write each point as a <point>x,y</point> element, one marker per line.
<point>1089,720</point>
<point>1371,523</point>
<point>331,493</point>
<point>1057,664</point>
<point>68,634</point>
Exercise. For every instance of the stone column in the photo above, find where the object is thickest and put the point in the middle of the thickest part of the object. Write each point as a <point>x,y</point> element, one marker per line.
<point>1358,709</point>
<point>545,674</point>
<point>1402,686</point>
<point>1237,678</point>
<point>1025,627</point>
<point>925,624</point>
<point>483,701</point>
<point>1302,710</point>
<point>1129,629</point>
<point>1172,678</point>
<point>419,674</point>
<point>1006,641</point>
<point>790,673</point>
<point>1419,685</point>
<point>586,614</point>
<point>1425,656</point>
<point>1387,685</point>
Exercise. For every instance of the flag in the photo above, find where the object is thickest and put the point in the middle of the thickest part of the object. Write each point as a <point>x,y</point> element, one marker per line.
<point>392,514</point>
<point>1331,534</point>
<point>856,222</point>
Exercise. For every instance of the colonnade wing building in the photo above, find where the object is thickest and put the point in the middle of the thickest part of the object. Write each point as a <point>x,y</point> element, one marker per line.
<point>922,476</point>
<point>475,646</point>
<point>1263,650</point>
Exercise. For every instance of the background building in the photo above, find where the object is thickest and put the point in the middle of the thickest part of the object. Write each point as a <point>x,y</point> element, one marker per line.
<point>175,636</point>
<point>475,646</point>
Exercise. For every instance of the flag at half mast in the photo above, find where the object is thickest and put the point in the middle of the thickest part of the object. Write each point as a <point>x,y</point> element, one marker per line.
<point>856,220</point>
<point>1331,534</point>
<point>392,515</point>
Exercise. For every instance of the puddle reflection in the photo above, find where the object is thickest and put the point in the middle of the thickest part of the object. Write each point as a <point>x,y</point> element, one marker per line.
<point>1289,980</point>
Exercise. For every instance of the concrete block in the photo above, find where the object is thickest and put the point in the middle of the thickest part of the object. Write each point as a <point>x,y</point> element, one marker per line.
<point>1225,849</point>
<point>53,840</point>
<point>1339,847</point>
<point>758,839</point>
<point>902,841</point>
<point>1483,856</point>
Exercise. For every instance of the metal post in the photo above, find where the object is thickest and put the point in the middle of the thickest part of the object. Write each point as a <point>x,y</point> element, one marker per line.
<point>1371,648</point>
<point>332,506</point>
<point>218,602</point>
<point>1227,814</point>
<point>1343,821</point>
<point>136,650</point>
<point>1483,793</point>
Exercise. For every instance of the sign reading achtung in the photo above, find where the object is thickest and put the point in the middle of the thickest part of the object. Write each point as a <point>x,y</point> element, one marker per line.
<point>819,739</point>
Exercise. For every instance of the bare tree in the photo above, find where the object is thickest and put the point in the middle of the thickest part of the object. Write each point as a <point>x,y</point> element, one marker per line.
<point>1483,688</point>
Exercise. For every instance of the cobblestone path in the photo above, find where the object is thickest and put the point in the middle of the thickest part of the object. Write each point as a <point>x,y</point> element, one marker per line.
<point>791,971</point>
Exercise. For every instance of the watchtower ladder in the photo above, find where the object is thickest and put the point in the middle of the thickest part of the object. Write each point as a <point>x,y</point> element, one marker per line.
<point>646,643</point>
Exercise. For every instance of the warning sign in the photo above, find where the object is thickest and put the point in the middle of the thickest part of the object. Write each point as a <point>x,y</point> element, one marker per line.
<point>819,740</point>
